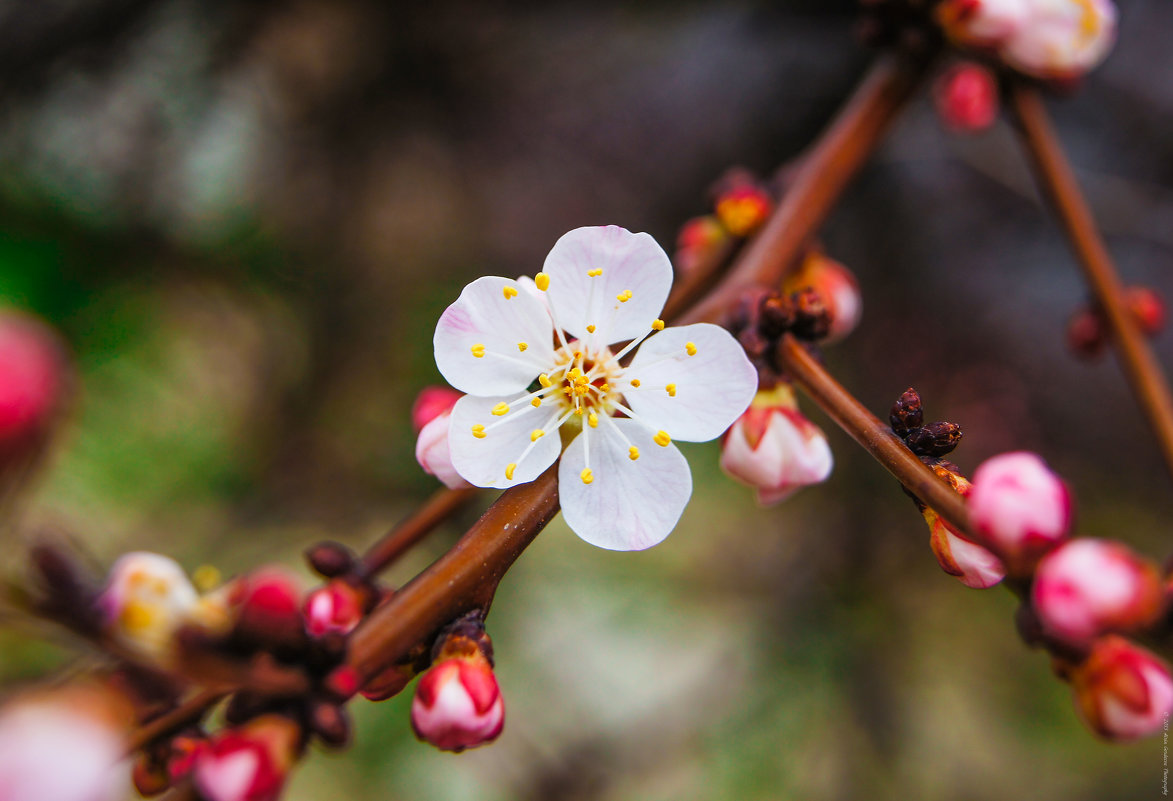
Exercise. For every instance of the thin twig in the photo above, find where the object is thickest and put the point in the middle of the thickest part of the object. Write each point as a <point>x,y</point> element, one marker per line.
<point>1058,183</point>
<point>438,508</point>
<point>188,712</point>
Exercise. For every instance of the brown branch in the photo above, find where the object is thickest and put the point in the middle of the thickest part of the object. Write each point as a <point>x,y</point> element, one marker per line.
<point>823,174</point>
<point>1058,183</point>
<point>415,527</point>
<point>875,436</point>
<point>186,713</point>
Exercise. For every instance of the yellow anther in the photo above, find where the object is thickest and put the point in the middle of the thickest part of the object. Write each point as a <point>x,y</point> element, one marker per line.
<point>657,325</point>
<point>577,356</point>
<point>205,578</point>
<point>521,346</point>
<point>578,411</point>
<point>604,387</point>
<point>509,468</point>
<point>543,281</point>
<point>586,475</point>
<point>662,439</point>
<point>478,431</point>
<point>590,329</point>
<point>593,420</point>
<point>501,408</point>
<point>624,296</point>
<point>595,273</point>
<point>478,350</point>
<point>690,348</point>
<point>509,292</point>
<point>574,374</point>
<point>536,434</point>
<point>582,381</point>
<point>633,453</point>
<point>671,390</point>
<point>635,383</point>
<point>566,390</point>
<point>536,402</point>
<point>544,380</point>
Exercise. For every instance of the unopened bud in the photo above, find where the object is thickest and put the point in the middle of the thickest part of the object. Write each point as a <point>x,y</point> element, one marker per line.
<point>973,565</point>
<point>836,287</point>
<point>743,208</point>
<point>1089,586</point>
<point>431,446</point>
<point>812,319</point>
<point>248,763</point>
<point>966,97</point>
<point>1123,691</point>
<point>1020,507</point>
<point>935,439</point>
<point>267,603</point>
<point>1148,309</point>
<point>458,704</point>
<point>700,239</point>
<point>431,403</point>
<point>336,607</point>
<point>906,413</point>
<point>330,559</point>
<point>773,448</point>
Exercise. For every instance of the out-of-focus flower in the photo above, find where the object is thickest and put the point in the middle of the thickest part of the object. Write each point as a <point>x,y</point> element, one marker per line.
<point>336,607</point>
<point>1089,586</point>
<point>774,448</point>
<point>458,704</point>
<point>622,483</point>
<point>699,239</point>
<point>147,598</point>
<point>966,97</point>
<point>1020,507</point>
<point>982,23</point>
<point>64,745</point>
<point>250,762</point>
<point>267,605</point>
<point>1123,691</point>
<point>431,415</point>
<point>835,286</point>
<point>744,207</point>
<point>973,565</point>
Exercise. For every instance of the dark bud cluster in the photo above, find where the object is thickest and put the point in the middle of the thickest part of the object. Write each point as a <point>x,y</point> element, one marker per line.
<point>763,317</point>
<point>929,441</point>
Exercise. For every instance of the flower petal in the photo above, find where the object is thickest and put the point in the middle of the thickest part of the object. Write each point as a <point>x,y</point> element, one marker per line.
<point>711,387</point>
<point>494,317</point>
<point>482,461</point>
<point>632,266</point>
<point>630,504</point>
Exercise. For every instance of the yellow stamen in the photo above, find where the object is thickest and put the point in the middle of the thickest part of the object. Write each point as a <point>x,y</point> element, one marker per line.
<point>478,431</point>
<point>578,411</point>
<point>671,390</point>
<point>662,439</point>
<point>604,387</point>
<point>478,350</point>
<point>590,329</point>
<point>586,475</point>
<point>577,356</point>
<point>509,292</point>
<point>509,468</point>
<point>624,296</point>
<point>633,453</point>
<point>501,408</point>
<point>536,434</point>
<point>691,348</point>
<point>635,383</point>
<point>536,402</point>
<point>593,420</point>
<point>543,281</point>
<point>657,325</point>
<point>205,578</point>
<point>521,346</point>
<point>544,380</point>
<point>595,273</point>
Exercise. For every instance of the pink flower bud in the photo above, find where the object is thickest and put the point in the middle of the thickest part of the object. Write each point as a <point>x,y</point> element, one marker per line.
<point>267,603</point>
<point>836,287</point>
<point>1088,586</point>
<point>249,763</point>
<point>1148,309</point>
<point>958,556</point>
<point>699,239</point>
<point>743,208</point>
<point>982,23</point>
<point>966,97</point>
<point>458,705</point>
<point>34,382</point>
<point>1020,507</point>
<point>336,607</point>
<point>430,415</point>
<point>1123,691</point>
<point>774,448</point>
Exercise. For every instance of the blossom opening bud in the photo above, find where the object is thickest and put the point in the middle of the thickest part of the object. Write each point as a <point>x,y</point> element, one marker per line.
<point>336,607</point>
<point>248,763</point>
<point>966,98</point>
<point>773,448</point>
<point>743,207</point>
<point>836,287</point>
<point>1020,507</point>
<point>430,416</point>
<point>1123,691</point>
<point>1062,39</point>
<point>973,565</point>
<point>147,597</point>
<point>1089,586</point>
<point>458,704</point>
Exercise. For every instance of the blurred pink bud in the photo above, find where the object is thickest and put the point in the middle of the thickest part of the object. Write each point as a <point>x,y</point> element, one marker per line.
<point>64,745</point>
<point>1062,39</point>
<point>774,448</point>
<point>972,564</point>
<point>1089,586</point>
<point>1123,691</point>
<point>458,705</point>
<point>431,403</point>
<point>249,763</point>
<point>335,607</point>
<point>743,208</point>
<point>1148,309</point>
<point>146,598</point>
<point>699,239</point>
<point>982,23</point>
<point>966,97</point>
<point>267,603</point>
<point>1020,507</point>
<point>431,413</point>
<point>836,287</point>
<point>34,383</point>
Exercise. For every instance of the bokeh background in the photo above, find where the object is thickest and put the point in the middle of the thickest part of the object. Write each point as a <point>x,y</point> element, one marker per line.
<point>245,218</point>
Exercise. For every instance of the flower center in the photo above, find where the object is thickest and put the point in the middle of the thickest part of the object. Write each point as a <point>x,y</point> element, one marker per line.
<point>585,380</point>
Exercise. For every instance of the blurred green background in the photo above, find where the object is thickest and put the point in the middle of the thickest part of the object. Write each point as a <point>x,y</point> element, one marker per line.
<point>245,218</point>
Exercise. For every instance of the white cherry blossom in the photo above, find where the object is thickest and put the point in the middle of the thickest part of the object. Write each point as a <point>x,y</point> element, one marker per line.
<point>561,365</point>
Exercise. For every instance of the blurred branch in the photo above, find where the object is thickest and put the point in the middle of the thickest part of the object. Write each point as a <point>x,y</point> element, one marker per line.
<point>186,713</point>
<point>1058,183</point>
